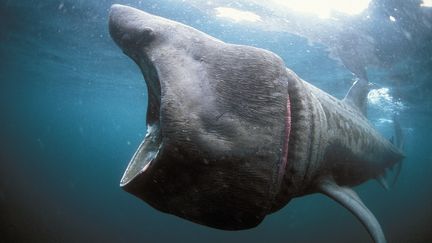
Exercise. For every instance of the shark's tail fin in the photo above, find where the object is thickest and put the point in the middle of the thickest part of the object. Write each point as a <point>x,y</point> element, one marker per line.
<point>399,138</point>
<point>399,143</point>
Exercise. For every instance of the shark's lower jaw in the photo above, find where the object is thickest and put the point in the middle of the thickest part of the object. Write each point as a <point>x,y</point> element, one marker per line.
<point>148,150</point>
<point>145,155</point>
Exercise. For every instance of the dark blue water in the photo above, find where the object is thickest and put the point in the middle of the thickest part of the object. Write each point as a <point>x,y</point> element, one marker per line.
<point>72,113</point>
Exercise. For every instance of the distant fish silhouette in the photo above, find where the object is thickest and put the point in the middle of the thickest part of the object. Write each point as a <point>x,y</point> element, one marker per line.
<point>233,135</point>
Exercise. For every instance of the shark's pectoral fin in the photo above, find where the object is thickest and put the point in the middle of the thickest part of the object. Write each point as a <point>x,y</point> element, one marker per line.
<point>350,200</point>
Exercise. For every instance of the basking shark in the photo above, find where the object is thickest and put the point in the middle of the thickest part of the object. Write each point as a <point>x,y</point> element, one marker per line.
<point>233,135</point>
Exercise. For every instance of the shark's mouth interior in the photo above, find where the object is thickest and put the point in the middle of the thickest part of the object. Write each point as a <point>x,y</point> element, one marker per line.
<point>148,150</point>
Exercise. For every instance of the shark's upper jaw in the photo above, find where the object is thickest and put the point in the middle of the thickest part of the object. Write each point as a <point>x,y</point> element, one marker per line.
<point>133,37</point>
<point>149,149</point>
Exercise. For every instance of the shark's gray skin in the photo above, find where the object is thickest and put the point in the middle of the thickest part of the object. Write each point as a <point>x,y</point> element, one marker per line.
<point>233,135</point>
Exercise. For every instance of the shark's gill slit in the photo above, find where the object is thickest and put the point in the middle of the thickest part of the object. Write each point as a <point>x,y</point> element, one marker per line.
<point>149,148</point>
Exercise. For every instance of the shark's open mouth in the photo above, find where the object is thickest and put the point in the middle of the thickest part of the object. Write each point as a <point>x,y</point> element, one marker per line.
<point>149,149</point>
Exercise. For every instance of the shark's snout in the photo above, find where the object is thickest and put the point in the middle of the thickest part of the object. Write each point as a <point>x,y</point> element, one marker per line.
<point>129,27</point>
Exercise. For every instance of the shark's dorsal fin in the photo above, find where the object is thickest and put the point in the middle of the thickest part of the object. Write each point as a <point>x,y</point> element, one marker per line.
<point>350,200</point>
<point>357,95</point>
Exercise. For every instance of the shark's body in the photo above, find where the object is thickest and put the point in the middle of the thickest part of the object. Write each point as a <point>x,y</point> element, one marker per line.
<point>234,135</point>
